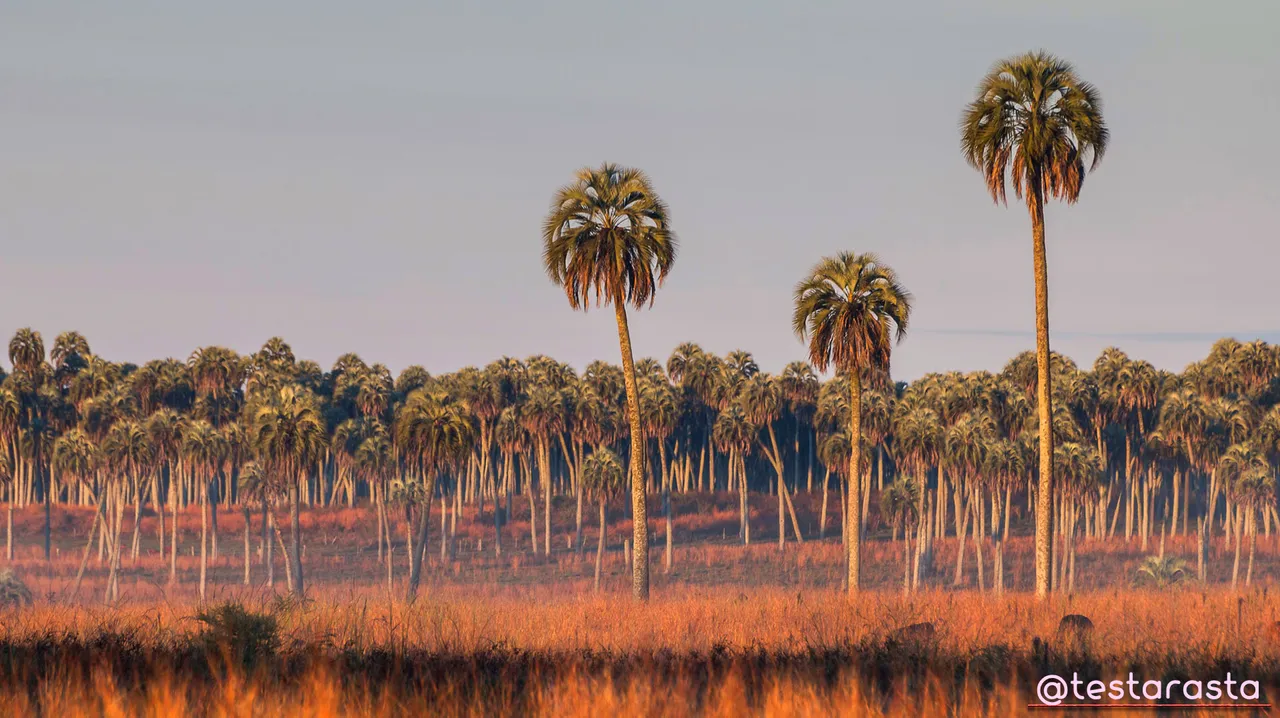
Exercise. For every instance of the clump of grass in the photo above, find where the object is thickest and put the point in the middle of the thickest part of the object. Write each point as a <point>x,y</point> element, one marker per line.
<point>13,591</point>
<point>245,638</point>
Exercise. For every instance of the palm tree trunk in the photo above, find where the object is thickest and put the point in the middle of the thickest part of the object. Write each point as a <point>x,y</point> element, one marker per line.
<point>1044,400</point>
<point>135,541</point>
<point>288,561</point>
<point>248,549</point>
<point>822,518</point>
<point>1235,568</point>
<point>295,537</point>
<point>1253,545</point>
<point>173,533</point>
<point>424,523</point>
<point>269,532</point>
<point>666,510</point>
<point>639,504</point>
<point>854,514</point>
<point>600,545</point>
<point>204,535</point>
<point>88,545</point>
<point>545,467</point>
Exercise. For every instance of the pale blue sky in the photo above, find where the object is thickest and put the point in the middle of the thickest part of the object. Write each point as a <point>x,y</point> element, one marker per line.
<point>371,176</point>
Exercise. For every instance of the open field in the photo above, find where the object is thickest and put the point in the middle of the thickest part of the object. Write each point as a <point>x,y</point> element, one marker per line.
<point>340,553</point>
<point>730,630</point>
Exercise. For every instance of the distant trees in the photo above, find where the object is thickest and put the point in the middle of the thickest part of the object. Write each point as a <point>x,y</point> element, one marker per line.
<point>1138,452</point>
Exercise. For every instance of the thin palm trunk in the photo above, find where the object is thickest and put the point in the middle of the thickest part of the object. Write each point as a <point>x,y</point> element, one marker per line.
<point>295,538</point>
<point>88,545</point>
<point>600,545</point>
<point>853,516</point>
<point>424,524</point>
<point>248,549</point>
<point>639,507</point>
<point>1044,400</point>
<point>204,535</point>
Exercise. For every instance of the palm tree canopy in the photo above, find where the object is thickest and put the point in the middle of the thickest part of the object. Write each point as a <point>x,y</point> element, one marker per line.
<point>608,234</point>
<point>602,474</point>
<point>1036,120</point>
<point>851,307</point>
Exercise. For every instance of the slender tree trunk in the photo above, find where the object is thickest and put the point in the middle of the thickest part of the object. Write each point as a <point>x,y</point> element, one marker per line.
<point>135,539</point>
<point>248,549</point>
<point>204,535</point>
<point>1235,568</point>
<point>1044,400</point>
<point>639,504</point>
<point>268,533</point>
<point>544,466</point>
<point>295,538</point>
<point>853,517</point>
<point>288,560</point>
<point>600,545</point>
<point>88,545</point>
<point>1253,545</point>
<point>48,512</point>
<point>173,534</point>
<point>415,565</point>
<point>822,518</point>
<point>666,510</point>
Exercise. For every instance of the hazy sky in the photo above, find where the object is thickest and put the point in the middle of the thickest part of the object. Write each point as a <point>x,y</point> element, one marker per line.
<point>371,176</point>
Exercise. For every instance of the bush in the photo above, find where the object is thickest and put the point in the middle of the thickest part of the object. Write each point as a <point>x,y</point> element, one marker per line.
<point>13,592</point>
<point>244,637</point>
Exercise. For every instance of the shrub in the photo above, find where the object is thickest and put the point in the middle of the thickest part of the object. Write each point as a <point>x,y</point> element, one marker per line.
<point>13,592</point>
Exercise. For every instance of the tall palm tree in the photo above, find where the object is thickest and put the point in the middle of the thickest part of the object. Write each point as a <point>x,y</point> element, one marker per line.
<point>602,478</point>
<point>1036,120</point>
<point>288,434</point>
<point>609,234</point>
<point>850,308</point>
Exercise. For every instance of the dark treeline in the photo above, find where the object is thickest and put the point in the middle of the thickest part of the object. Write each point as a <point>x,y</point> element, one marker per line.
<point>1138,451</point>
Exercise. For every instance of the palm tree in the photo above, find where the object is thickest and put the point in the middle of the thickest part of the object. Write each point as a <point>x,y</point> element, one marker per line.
<point>898,507</point>
<point>1161,571</point>
<point>10,431</point>
<point>544,415</point>
<point>1035,120</point>
<point>288,434</point>
<point>433,435</point>
<point>761,399</point>
<point>130,454</point>
<point>602,477</point>
<point>76,456</point>
<point>850,308</point>
<point>609,234</point>
<point>203,450</point>
<point>734,434</point>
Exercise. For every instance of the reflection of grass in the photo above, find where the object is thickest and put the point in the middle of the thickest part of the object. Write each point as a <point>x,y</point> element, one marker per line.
<point>531,651</point>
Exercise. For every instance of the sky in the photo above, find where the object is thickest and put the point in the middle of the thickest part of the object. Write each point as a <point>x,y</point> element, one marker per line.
<point>371,176</point>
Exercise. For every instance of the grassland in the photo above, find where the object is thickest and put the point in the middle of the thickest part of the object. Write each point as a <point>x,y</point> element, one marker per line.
<point>732,630</point>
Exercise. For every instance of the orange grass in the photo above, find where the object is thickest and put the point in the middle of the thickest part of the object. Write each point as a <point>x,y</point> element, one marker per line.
<point>780,653</point>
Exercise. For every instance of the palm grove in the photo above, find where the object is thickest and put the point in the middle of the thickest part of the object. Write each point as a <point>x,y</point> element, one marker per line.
<point>1118,448</point>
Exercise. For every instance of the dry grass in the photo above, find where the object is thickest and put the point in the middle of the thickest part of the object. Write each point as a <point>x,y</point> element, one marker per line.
<point>732,630</point>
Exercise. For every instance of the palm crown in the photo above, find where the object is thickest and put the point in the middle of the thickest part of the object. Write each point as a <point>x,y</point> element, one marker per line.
<point>609,234</point>
<point>1036,120</point>
<point>851,307</point>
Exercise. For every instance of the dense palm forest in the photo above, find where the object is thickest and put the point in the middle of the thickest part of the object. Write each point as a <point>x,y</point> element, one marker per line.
<point>1139,452</point>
